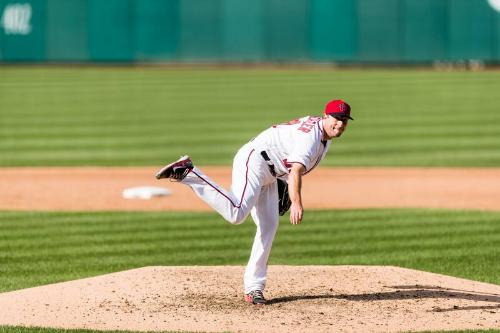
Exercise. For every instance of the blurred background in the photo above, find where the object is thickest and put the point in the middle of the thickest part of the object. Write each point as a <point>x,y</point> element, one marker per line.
<point>138,82</point>
<point>220,31</point>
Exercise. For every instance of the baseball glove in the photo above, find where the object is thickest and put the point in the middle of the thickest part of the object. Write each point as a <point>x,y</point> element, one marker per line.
<point>284,202</point>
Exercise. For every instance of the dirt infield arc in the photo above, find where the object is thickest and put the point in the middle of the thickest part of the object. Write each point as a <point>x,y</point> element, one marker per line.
<point>94,189</point>
<point>302,299</point>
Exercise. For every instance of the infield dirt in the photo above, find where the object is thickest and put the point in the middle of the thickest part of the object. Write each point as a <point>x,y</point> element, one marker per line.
<point>94,189</point>
<point>302,299</point>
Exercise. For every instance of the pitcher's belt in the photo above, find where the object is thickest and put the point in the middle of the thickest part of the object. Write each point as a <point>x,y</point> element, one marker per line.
<point>269,163</point>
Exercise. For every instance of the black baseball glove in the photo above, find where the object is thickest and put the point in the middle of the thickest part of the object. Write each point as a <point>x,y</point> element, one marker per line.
<point>284,202</point>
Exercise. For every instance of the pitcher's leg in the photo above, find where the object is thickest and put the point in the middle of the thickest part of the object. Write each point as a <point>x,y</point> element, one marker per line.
<point>266,217</point>
<point>233,205</point>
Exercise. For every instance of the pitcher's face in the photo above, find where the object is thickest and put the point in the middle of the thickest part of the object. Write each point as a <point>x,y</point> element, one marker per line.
<point>334,127</point>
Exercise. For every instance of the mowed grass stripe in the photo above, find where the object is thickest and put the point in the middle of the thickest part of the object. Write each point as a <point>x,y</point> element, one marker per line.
<point>133,134</point>
<point>91,111</point>
<point>340,232</point>
<point>157,75</point>
<point>38,148</point>
<point>140,241</point>
<point>180,226</point>
<point>195,221</point>
<point>86,244</point>
<point>62,246</point>
<point>109,156</point>
<point>398,249</point>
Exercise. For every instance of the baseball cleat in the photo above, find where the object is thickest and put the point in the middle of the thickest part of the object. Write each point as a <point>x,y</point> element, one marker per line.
<point>177,170</point>
<point>255,297</point>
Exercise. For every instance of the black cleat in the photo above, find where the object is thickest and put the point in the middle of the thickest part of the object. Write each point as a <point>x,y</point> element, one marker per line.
<point>255,297</point>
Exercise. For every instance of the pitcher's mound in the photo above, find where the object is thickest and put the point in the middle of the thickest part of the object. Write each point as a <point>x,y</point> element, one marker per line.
<point>302,299</point>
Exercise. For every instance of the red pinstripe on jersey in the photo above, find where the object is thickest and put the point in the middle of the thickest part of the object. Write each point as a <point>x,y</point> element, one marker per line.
<point>223,194</point>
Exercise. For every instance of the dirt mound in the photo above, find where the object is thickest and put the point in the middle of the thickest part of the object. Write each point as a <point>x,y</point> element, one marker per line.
<point>93,189</point>
<point>302,299</point>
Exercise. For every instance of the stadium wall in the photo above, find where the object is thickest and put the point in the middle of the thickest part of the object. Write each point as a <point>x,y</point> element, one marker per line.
<point>340,31</point>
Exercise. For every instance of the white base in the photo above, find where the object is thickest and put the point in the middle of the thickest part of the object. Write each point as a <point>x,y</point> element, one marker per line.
<point>145,192</point>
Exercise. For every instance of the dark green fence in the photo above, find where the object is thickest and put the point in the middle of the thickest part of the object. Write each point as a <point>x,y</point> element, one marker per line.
<point>382,31</point>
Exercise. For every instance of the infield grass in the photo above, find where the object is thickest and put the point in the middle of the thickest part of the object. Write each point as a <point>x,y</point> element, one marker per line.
<point>146,116</point>
<point>40,248</point>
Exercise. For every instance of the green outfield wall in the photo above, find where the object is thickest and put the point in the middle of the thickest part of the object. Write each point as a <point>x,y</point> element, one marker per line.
<point>381,31</point>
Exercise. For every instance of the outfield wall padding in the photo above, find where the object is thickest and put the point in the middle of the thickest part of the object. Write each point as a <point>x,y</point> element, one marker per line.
<point>354,31</point>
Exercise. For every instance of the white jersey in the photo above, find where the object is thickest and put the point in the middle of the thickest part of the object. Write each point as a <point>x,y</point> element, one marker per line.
<point>253,189</point>
<point>298,141</point>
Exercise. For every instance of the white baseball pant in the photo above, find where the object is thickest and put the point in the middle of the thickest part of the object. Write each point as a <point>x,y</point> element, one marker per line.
<point>253,190</point>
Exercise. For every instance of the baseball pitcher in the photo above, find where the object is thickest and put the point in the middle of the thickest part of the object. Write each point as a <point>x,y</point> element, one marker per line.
<point>261,170</point>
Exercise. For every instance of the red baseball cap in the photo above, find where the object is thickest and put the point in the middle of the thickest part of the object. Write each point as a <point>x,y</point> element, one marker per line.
<point>338,107</point>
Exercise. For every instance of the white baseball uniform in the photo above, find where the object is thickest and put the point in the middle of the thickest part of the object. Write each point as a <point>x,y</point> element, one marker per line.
<point>254,188</point>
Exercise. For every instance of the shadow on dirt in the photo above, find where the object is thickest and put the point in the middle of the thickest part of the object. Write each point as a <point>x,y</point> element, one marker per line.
<point>405,293</point>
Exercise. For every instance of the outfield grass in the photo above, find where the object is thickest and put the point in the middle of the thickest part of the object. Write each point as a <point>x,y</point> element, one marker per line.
<point>40,248</point>
<point>145,116</point>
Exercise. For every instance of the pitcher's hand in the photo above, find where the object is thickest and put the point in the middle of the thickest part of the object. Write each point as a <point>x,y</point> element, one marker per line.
<point>296,213</point>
